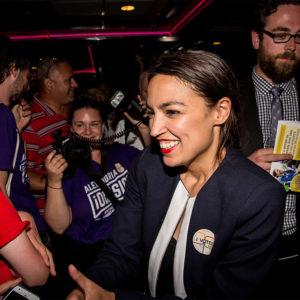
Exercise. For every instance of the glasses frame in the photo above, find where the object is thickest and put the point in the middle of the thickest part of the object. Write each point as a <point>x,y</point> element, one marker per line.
<point>272,35</point>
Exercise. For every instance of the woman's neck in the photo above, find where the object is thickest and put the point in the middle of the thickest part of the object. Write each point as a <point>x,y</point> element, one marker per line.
<point>195,176</point>
<point>96,155</point>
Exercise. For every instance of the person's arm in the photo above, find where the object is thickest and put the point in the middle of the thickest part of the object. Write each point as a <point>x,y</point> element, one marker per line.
<point>249,255</point>
<point>143,129</point>
<point>16,248</point>
<point>37,182</point>
<point>36,241</point>
<point>87,289</point>
<point>265,156</point>
<point>25,260</point>
<point>3,180</point>
<point>33,233</point>
<point>58,213</point>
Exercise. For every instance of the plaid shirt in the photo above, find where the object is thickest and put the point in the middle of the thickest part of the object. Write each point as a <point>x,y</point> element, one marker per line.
<point>289,99</point>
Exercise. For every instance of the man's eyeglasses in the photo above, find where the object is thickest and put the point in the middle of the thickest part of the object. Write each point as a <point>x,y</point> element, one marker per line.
<point>282,37</point>
<point>51,61</point>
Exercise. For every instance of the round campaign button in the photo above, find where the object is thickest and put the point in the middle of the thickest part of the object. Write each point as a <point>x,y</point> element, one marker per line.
<point>203,241</point>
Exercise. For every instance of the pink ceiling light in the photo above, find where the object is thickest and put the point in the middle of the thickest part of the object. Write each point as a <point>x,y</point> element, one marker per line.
<point>190,15</point>
<point>181,21</point>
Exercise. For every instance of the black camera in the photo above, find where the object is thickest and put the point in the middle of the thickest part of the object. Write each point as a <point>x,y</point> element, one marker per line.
<point>129,105</point>
<point>75,151</point>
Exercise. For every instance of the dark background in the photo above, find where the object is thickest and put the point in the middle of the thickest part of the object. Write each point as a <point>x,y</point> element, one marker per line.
<point>117,59</point>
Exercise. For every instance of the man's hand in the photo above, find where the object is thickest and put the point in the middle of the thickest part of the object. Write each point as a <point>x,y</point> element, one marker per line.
<point>22,114</point>
<point>265,156</point>
<point>87,289</point>
<point>4,287</point>
<point>35,239</point>
<point>143,129</point>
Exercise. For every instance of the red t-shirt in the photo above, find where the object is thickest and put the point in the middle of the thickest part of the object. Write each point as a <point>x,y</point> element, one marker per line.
<point>10,227</point>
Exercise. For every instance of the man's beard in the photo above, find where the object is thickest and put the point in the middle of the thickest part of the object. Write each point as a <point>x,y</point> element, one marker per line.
<point>278,71</point>
<point>15,99</point>
<point>20,89</point>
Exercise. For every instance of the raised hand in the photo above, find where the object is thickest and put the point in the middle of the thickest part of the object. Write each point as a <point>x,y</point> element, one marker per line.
<point>22,114</point>
<point>87,289</point>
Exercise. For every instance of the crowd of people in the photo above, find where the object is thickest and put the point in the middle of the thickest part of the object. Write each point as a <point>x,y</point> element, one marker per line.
<point>182,206</point>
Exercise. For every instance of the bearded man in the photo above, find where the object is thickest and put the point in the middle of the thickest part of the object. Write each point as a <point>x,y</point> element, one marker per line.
<point>276,38</point>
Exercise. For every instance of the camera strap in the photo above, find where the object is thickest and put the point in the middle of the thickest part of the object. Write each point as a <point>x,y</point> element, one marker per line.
<point>98,177</point>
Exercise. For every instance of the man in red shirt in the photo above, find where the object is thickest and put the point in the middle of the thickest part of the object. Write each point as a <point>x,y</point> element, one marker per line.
<point>49,113</point>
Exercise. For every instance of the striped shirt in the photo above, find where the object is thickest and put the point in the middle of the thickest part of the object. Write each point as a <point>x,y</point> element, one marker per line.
<point>38,139</point>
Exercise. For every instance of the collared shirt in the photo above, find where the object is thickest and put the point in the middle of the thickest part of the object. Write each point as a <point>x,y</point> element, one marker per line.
<point>38,139</point>
<point>289,99</point>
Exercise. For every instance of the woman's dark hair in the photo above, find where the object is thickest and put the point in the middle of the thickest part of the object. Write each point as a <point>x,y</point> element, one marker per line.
<point>266,8</point>
<point>210,77</point>
<point>86,102</point>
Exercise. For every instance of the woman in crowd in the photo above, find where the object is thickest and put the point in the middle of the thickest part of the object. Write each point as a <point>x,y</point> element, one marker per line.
<point>76,205</point>
<point>19,259</point>
<point>140,136</point>
<point>198,218</point>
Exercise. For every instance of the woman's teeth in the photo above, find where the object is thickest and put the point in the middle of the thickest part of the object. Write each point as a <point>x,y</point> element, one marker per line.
<point>168,145</point>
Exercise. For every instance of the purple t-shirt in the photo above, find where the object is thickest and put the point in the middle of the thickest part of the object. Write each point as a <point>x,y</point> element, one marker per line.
<point>92,212</point>
<point>20,194</point>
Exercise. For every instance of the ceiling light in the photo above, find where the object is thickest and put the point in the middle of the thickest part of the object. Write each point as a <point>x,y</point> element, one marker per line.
<point>217,43</point>
<point>166,38</point>
<point>127,7</point>
<point>95,38</point>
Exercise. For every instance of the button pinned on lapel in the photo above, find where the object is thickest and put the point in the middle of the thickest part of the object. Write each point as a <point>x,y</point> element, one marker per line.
<point>203,241</point>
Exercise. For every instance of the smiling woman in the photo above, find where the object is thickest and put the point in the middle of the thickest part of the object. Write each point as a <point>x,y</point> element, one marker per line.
<point>198,218</point>
<point>78,208</point>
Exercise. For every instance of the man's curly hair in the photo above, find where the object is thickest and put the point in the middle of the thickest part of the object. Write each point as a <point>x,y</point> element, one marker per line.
<point>11,56</point>
<point>267,7</point>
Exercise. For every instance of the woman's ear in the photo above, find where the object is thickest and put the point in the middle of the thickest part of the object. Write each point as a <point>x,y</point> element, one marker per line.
<point>223,109</point>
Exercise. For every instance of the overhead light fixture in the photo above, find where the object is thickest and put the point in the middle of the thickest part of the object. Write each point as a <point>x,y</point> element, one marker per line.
<point>95,38</point>
<point>217,43</point>
<point>127,7</point>
<point>166,38</point>
<point>85,32</point>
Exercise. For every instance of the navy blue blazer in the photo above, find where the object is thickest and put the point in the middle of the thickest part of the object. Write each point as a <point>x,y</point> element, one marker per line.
<point>241,204</point>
